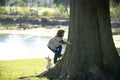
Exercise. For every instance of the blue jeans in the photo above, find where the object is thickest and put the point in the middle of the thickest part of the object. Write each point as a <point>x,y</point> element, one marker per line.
<point>57,53</point>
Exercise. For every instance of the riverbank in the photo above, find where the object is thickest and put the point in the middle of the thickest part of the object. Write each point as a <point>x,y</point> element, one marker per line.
<point>42,32</point>
<point>49,32</point>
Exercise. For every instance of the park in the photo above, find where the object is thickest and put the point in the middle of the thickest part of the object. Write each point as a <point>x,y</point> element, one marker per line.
<point>92,26</point>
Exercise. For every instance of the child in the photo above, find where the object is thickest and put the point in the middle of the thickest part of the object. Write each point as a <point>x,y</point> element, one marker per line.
<point>55,44</point>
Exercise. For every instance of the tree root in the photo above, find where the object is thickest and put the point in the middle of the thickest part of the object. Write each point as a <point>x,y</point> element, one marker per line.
<point>52,73</point>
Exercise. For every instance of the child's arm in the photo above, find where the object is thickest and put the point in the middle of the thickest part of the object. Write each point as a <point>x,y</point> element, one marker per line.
<point>63,42</point>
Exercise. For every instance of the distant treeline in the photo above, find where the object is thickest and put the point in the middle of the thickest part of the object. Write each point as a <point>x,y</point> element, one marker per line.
<point>42,21</point>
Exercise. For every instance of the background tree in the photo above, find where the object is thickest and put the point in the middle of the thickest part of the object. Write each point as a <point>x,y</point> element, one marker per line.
<point>114,3</point>
<point>2,2</point>
<point>92,54</point>
<point>115,10</point>
<point>22,3</point>
<point>63,2</point>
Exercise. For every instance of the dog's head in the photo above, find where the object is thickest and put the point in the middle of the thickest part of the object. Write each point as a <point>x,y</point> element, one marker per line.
<point>48,58</point>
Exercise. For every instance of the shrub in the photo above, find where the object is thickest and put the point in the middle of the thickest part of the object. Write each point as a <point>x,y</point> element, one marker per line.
<point>61,12</point>
<point>46,13</point>
<point>3,10</point>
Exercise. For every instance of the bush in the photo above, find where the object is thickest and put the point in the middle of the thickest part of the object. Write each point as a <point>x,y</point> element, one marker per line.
<point>46,13</point>
<point>3,10</point>
<point>24,11</point>
<point>61,12</point>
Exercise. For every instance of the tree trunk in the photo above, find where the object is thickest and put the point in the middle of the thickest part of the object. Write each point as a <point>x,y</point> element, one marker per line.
<point>92,54</point>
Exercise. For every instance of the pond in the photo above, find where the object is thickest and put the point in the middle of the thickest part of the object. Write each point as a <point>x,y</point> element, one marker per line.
<point>22,47</point>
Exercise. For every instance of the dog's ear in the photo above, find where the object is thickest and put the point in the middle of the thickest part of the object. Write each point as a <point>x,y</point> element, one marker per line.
<point>46,57</point>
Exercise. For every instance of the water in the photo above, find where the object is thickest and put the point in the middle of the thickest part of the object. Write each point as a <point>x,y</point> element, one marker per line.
<point>22,47</point>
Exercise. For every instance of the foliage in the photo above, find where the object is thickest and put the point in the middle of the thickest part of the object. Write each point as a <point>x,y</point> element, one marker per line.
<point>22,3</point>
<point>3,10</point>
<point>63,2</point>
<point>115,13</point>
<point>2,2</point>
<point>61,12</point>
<point>114,3</point>
<point>46,13</point>
<point>31,3</point>
<point>24,10</point>
<point>12,69</point>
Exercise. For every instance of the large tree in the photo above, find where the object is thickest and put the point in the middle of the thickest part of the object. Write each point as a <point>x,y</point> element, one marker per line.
<point>92,54</point>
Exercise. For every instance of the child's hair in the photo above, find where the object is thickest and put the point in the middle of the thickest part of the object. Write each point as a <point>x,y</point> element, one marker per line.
<point>60,33</point>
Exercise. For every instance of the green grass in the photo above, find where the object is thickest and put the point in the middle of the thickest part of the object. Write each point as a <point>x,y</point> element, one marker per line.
<point>118,49</point>
<point>13,69</point>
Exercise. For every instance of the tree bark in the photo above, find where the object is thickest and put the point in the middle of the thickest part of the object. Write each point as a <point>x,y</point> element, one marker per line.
<point>92,54</point>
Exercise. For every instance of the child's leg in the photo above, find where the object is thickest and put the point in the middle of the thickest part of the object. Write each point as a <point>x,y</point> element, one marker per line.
<point>59,49</point>
<point>57,53</point>
<point>55,58</point>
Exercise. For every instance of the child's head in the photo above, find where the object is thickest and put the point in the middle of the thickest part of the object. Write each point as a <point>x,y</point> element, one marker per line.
<point>60,33</point>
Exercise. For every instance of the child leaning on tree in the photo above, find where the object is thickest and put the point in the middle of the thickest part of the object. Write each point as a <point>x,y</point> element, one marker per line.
<point>55,44</point>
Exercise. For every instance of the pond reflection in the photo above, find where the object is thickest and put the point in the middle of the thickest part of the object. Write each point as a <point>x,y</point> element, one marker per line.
<point>22,46</point>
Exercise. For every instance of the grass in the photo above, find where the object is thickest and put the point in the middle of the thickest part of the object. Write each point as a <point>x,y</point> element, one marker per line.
<point>13,69</point>
<point>118,49</point>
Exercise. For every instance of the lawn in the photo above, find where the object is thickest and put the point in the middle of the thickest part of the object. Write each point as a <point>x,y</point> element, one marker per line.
<point>13,69</point>
<point>118,49</point>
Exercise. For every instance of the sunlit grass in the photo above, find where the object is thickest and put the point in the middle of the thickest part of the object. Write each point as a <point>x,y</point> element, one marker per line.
<point>13,69</point>
<point>118,49</point>
<point>34,78</point>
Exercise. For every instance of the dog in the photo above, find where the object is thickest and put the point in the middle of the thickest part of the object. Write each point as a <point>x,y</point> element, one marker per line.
<point>49,64</point>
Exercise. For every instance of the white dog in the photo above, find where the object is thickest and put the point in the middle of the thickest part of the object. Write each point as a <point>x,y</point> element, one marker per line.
<point>49,64</point>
